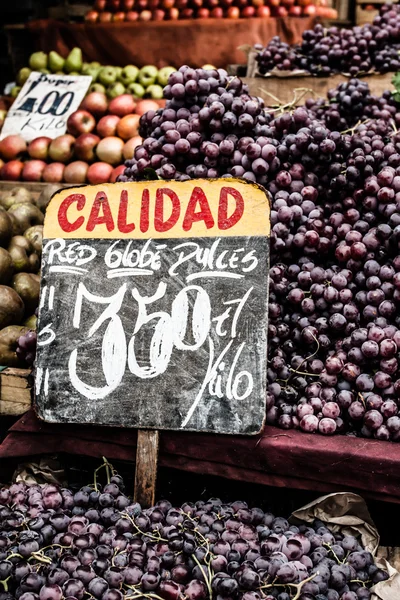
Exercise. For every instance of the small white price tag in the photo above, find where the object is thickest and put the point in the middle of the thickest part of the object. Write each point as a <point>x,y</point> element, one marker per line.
<point>44,104</point>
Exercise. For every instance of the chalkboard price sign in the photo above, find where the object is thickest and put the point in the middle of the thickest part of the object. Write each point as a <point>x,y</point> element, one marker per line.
<point>44,104</point>
<point>153,308</point>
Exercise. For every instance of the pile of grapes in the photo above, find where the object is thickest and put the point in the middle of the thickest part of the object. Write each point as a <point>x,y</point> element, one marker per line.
<point>96,543</point>
<point>26,347</point>
<point>372,47</point>
<point>332,168</point>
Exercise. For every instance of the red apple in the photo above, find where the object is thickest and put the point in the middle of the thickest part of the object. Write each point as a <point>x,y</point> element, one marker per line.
<point>167,3</point>
<point>173,14</point>
<point>122,105</point>
<point>128,4</point>
<point>92,16</point>
<point>203,13</point>
<point>129,147</point>
<point>118,17</point>
<point>39,148</point>
<point>289,3</point>
<point>248,12</point>
<point>212,3</point>
<point>257,3</point>
<point>143,106</point>
<point>181,4</point>
<point>141,4</point>
<point>295,11</point>
<point>158,14</point>
<point>281,11</point>
<point>233,12</point>
<point>12,146</point>
<point>217,12</point>
<point>81,121</point>
<point>227,3</point>
<point>116,172</point>
<point>263,12</point>
<point>61,149</point>
<point>145,15</point>
<point>53,173</point>
<point>128,126</point>
<point>109,150</point>
<point>277,2</point>
<point>33,170</point>
<point>132,15</point>
<point>95,103</point>
<point>11,171</point>
<point>310,10</point>
<point>187,13</point>
<point>107,125</point>
<point>85,146</point>
<point>76,172</point>
<point>99,172</point>
<point>154,4</point>
<point>105,17</point>
<point>241,3</point>
<point>196,3</point>
<point>100,5</point>
<point>115,5</point>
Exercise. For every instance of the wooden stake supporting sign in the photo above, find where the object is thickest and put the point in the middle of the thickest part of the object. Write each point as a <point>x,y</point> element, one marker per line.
<point>153,310</point>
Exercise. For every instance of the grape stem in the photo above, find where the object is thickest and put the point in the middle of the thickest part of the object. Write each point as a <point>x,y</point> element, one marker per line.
<point>340,562</point>
<point>297,586</point>
<point>151,536</point>
<point>206,579</point>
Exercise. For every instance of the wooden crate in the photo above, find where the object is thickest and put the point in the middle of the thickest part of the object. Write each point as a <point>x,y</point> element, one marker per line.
<point>16,391</point>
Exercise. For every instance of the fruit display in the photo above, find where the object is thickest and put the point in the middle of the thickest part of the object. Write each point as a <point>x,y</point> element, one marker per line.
<point>105,11</point>
<point>98,542</point>
<point>332,168</point>
<point>100,136</point>
<point>21,232</point>
<point>113,81</point>
<point>358,50</point>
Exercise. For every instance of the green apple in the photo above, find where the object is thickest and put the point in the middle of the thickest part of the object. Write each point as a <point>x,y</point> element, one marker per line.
<point>97,87</point>
<point>23,75</point>
<point>56,62</point>
<point>94,63</point>
<point>37,61</point>
<point>136,90</point>
<point>163,75</point>
<point>154,91</point>
<point>93,72</point>
<point>15,91</point>
<point>129,74</point>
<point>107,76</point>
<point>73,62</point>
<point>116,89</point>
<point>119,71</point>
<point>147,75</point>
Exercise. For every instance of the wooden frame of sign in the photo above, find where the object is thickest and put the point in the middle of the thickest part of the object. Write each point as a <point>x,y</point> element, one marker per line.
<point>153,310</point>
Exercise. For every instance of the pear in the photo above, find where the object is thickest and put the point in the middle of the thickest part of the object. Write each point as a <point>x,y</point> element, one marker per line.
<point>23,75</point>
<point>74,73</point>
<point>93,72</point>
<point>119,71</point>
<point>95,64</point>
<point>15,91</point>
<point>129,74</point>
<point>97,87</point>
<point>56,62</point>
<point>44,71</point>
<point>74,62</point>
<point>37,61</point>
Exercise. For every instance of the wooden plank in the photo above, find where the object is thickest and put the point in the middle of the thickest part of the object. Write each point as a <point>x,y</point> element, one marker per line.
<point>33,186</point>
<point>146,467</point>
<point>15,391</point>
<point>12,408</point>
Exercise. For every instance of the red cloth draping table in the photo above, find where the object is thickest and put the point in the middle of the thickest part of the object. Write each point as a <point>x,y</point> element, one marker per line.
<point>275,458</point>
<point>195,42</point>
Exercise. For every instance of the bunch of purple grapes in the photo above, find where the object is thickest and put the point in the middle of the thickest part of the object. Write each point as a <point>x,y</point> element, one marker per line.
<point>276,55</point>
<point>56,544</point>
<point>335,236</point>
<point>372,47</point>
<point>26,348</point>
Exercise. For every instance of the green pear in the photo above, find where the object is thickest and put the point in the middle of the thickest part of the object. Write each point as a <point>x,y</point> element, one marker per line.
<point>154,91</point>
<point>93,72</point>
<point>163,75</point>
<point>129,74</point>
<point>97,87</point>
<point>147,75</point>
<point>73,62</point>
<point>95,64</point>
<point>85,65</point>
<point>37,61</point>
<point>23,75</point>
<point>107,76</point>
<point>74,73</point>
<point>116,89</point>
<point>119,71</point>
<point>44,71</point>
<point>15,91</point>
<point>56,62</point>
<point>136,90</point>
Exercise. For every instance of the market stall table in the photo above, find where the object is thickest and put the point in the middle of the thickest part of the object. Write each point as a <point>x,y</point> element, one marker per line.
<point>195,42</point>
<point>281,458</point>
